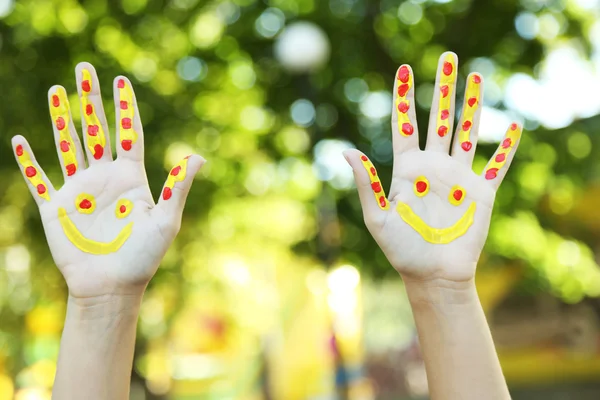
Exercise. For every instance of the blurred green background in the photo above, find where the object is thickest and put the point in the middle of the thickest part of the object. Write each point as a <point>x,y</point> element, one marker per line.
<point>274,289</point>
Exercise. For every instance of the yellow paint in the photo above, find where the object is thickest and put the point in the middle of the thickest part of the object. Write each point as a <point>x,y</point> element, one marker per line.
<point>91,119</point>
<point>436,235</point>
<point>90,246</point>
<point>378,191</point>
<point>126,95</point>
<point>36,180</point>
<point>63,111</point>
<point>421,179</point>
<point>445,101</point>
<point>451,198</point>
<point>472,92</point>
<point>82,197</point>
<point>403,116</point>
<point>510,139</point>
<point>175,176</point>
<point>128,208</point>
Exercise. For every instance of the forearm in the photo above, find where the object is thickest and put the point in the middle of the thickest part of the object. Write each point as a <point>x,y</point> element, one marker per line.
<point>96,352</point>
<point>456,343</point>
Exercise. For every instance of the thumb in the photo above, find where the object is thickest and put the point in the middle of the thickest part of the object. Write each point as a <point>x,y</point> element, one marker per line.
<point>371,193</point>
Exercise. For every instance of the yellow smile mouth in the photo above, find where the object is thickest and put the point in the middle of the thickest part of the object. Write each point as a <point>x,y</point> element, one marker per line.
<point>436,235</point>
<point>90,246</point>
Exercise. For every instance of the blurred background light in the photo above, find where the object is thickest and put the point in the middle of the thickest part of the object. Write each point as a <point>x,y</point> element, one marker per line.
<point>303,112</point>
<point>302,47</point>
<point>270,22</point>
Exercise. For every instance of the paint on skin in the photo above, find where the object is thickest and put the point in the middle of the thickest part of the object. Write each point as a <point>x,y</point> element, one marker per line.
<point>378,191</point>
<point>457,195</point>
<point>96,139</point>
<point>501,156</point>
<point>31,172</point>
<point>59,110</point>
<point>91,246</point>
<point>127,134</point>
<point>85,203</point>
<point>177,174</point>
<point>404,83</point>
<point>123,208</point>
<point>447,83</point>
<point>472,95</point>
<point>421,186</point>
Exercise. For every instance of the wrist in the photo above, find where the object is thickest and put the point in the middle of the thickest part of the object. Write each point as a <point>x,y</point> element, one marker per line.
<point>440,293</point>
<point>104,307</point>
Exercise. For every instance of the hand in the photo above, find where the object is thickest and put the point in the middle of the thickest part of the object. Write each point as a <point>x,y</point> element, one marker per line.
<point>105,232</point>
<point>436,220</point>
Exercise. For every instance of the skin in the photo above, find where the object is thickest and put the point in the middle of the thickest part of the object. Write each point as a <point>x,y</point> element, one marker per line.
<point>457,346</point>
<point>105,290</point>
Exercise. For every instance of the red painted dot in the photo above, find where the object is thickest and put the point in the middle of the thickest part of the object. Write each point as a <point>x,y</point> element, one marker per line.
<point>402,89</point>
<point>444,114</point>
<point>41,188</point>
<point>382,201</point>
<point>376,186</point>
<point>500,157</point>
<point>89,109</point>
<point>60,123</point>
<point>30,171</point>
<point>403,74</point>
<point>513,127</point>
<point>85,204</point>
<point>448,68</point>
<point>71,169</point>
<point>471,102</point>
<point>122,209</point>
<point>85,86</point>
<point>123,105</point>
<point>491,173</point>
<point>445,90</point>
<point>175,171</point>
<point>466,125</point>
<point>98,151</point>
<point>407,128</point>
<point>126,145</point>
<point>442,130</point>
<point>167,193</point>
<point>421,186</point>
<point>458,194</point>
<point>64,146</point>
<point>126,123</point>
<point>92,130</point>
<point>403,107</point>
<point>373,171</point>
<point>477,79</point>
<point>364,158</point>
<point>466,146</point>
<point>506,143</point>
<point>121,83</point>
<point>19,150</point>
<point>55,100</point>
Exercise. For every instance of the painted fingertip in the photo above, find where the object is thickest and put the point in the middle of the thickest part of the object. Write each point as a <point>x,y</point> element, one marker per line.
<point>376,187</point>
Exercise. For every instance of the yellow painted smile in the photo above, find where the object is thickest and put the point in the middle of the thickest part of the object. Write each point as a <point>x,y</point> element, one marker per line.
<point>436,235</point>
<point>91,246</point>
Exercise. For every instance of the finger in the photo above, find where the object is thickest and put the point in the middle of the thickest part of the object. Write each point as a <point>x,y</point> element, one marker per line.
<point>178,184</point>
<point>404,120</point>
<point>67,142</point>
<point>441,118</point>
<point>93,122</point>
<point>467,131</point>
<point>371,193</point>
<point>130,137</point>
<point>39,185</point>
<point>496,168</point>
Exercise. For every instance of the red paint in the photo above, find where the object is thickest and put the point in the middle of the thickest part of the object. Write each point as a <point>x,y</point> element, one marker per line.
<point>491,173</point>
<point>407,128</point>
<point>98,151</point>
<point>71,169</point>
<point>167,193</point>
<point>30,171</point>
<point>458,194</point>
<point>120,83</point>
<point>448,68</point>
<point>421,186</point>
<point>445,90</point>
<point>466,125</point>
<point>85,86</point>
<point>126,123</point>
<point>376,186</point>
<point>403,74</point>
<point>123,105</point>
<point>89,109</point>
<point>403,107</point>
<point>126,145</point>
<point>466,146</point>
<point>506,143</point>
<point>175,171</point>
<point>122,209</point>
<point>55,100</point>
<point>41,188</point>
<point>382,201</point>
<point>477,79</point>
<point>402,89</point>
<point>471,102</point>
<point>364,158</point>
<point>373,171</point>
<point>85,204</point>
<point>60,123</point>
<point>442,130</point>
<point>64,146</point>
<point>500,157</point>
<point>513,127</point>
<point>444,114</point>
<point>92,130</point>
<point>19,150</point>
